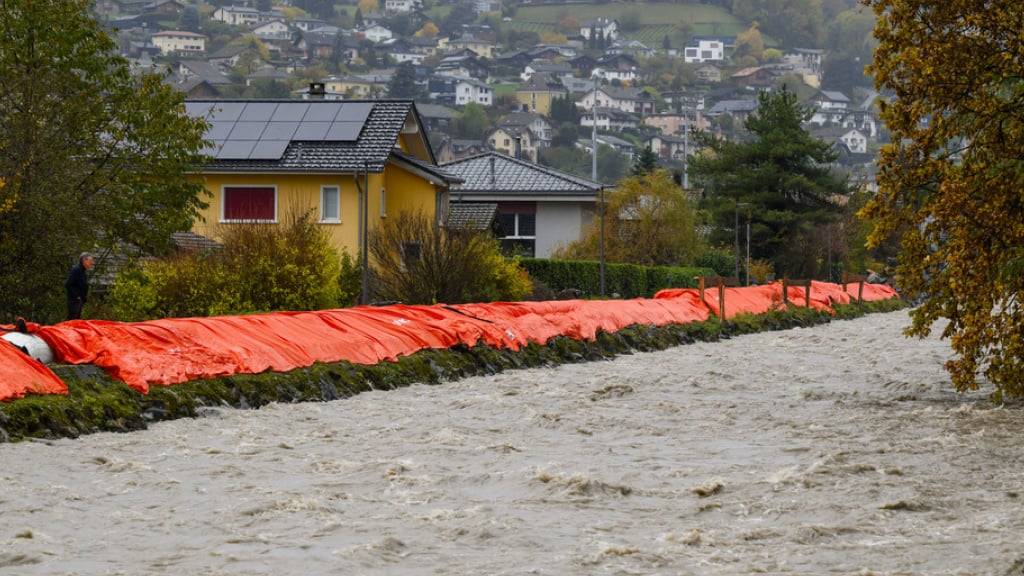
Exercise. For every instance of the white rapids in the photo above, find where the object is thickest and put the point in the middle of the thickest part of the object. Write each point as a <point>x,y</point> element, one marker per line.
<point>838,449</point>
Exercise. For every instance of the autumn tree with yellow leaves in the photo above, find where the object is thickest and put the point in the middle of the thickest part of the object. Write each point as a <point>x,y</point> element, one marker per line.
<point>952,181</point>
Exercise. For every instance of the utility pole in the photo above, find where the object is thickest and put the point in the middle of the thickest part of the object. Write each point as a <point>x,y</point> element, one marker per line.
<point>748,247</point>
<point>593,176</point>
<point>686,147</point>
<point>736,234</point>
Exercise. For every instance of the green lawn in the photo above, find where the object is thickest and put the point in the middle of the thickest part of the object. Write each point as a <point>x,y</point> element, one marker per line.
<point>652,13</point>
<point>658,19</point>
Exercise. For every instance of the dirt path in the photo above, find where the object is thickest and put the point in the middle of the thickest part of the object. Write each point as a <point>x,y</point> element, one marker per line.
<point>836,449</point>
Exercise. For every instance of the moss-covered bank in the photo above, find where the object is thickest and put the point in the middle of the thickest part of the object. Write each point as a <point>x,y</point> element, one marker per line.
<point>98,403</point>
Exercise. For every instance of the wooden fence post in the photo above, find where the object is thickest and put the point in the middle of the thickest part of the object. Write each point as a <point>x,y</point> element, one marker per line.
<point>860,291</point>
<point>807,293</point>
<point>721,298</point>
<point>785,291</point>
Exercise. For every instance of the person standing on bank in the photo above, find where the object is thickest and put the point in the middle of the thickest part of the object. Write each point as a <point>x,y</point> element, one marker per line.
<point>77,286</point>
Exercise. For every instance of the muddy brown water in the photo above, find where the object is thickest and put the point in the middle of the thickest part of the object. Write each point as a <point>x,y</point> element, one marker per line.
<point>832,450</point>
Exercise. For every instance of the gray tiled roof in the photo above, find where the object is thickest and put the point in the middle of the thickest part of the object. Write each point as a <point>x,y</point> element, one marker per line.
<point>374,146</point>
<point>512,176</point>
<point>472,215</point>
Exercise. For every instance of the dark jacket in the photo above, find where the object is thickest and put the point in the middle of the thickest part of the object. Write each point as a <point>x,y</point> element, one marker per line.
<point>77,284</point>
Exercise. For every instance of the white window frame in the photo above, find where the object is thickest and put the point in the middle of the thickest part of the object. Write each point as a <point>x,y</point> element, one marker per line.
<point>323,191</point>
<point>223,202</point>
<point>383,202</point>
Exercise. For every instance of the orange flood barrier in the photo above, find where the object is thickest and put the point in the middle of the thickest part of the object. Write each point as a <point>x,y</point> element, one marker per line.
<point>176,350</point>
<point>20,375</point>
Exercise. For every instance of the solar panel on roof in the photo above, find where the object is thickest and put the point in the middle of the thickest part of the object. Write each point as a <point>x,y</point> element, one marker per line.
<point>322,112</point>
<point>198,109</point>
<point>268,150</point>
<point>312,131</point>
<point>236,150</point>
<point>354,112</point>
<point>227,111</point>
<point>280,131</point>
<point>247,130</point>
<point>344,131</point>
<point>219,130</point>
<point>258,112</point>
<point>212,148</point>
<point>290,112</point>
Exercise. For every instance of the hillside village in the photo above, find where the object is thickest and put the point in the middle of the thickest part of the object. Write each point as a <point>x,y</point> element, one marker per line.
<point>492,76</point>
<point>515,88</point>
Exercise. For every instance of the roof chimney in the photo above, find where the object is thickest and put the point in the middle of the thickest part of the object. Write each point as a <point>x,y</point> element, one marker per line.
<point>519,147</point>
<point>494,178</point>
<point>317,90</point>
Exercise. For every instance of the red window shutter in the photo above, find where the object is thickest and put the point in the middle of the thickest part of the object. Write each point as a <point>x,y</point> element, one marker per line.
<point>249,203</point>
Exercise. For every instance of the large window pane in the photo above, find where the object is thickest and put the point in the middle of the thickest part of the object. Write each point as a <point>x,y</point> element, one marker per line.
<point>250,204</point>
<point>527,225</point>
<point>330,207</point>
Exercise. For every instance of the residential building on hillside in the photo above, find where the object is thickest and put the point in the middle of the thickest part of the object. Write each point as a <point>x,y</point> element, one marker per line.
<point>704,50</point>
<point>610,119</point>
<point>738,109</point>
<point>307,24</point>
<point>274,159</point>
<point>669,147</point>
<point>672,123</point>
<point>515,141</point>
<point>709,73</point>
<point>631,100</point>
<point>539,209</point>
<point>538,93</point>
<point>353,86</point>
<point>179,42</point>
<point>852,139</point>
<point>273,30</point>
<point>400,6</point>
<point>376,33</point>
<point>621,146</point>
<point>606,28</point>
<point>237,15</point>
<point>459,90</point>
<point>479,46</point>
<point>537,124</point>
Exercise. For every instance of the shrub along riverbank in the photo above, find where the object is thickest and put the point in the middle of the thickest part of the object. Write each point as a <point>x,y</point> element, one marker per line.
<point>98,403</point>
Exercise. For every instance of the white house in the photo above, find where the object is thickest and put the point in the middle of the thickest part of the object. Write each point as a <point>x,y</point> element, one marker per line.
<point>237,15</point>
<point>377,34</point>
<point>610,119</point>
<point>604,28</point>
<point>399,6</point>
<point>831,100</point>
<point>539,209</point>
<point>273,30</point>
<point>469,90</point>
<point>608,74</point>
<point>179,42</point>
<point>630,100</point>
<point>705,51</point>
<point>855,141</point>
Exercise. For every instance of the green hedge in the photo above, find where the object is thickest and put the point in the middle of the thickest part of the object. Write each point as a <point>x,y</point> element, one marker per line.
<point>626,280</point>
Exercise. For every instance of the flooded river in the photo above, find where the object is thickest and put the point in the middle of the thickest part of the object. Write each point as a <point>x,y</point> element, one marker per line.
<point>832,450</point>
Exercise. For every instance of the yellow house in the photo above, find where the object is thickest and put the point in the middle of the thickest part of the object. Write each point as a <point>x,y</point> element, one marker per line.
<point>274,159</point>
<point>537,94</point>
<point>352,86</point>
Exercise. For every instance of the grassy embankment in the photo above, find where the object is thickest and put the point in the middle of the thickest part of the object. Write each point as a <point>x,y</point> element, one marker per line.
<point>97,403</point>
<point>657,19</point>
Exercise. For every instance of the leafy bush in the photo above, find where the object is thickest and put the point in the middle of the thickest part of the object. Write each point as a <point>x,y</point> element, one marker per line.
<point>261,268</point>
<point>627,280</point>
<point>721,260</point>
<point>416,262</point>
